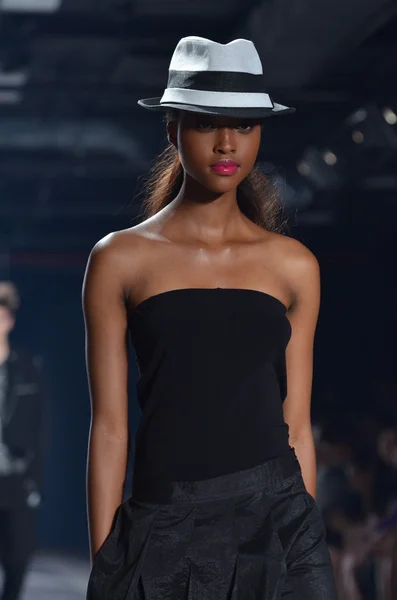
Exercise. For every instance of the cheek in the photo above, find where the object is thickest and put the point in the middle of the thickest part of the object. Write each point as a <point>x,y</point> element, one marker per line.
<point>194,153</point>
<point>252,148</point>
<point>196,163</point>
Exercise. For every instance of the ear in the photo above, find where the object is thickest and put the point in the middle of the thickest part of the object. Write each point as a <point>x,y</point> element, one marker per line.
<point>172,133</point>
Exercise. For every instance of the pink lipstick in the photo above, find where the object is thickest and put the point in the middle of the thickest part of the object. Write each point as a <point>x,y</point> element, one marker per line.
<point>225,167</point>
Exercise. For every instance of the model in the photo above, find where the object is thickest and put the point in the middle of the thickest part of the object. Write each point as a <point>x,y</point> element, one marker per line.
<point>222,311</point>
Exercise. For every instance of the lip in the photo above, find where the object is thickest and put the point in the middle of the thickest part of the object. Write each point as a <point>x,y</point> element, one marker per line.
<point>225,167</point>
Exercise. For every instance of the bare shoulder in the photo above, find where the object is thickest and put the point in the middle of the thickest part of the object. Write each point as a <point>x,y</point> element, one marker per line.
<point>122,250</point>
<point>294,257</point>
<point>115,246</point>
<point>115,263</point>
<point>298,269</point>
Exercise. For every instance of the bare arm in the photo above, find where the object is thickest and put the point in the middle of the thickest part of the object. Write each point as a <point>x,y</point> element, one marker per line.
<point>305,281</point>
<point>106,356</point>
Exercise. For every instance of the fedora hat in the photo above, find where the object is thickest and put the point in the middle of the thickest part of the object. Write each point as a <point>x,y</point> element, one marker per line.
<point>216,79</point>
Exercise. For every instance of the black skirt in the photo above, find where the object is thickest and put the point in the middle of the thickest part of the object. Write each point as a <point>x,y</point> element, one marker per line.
<point>252,535</point>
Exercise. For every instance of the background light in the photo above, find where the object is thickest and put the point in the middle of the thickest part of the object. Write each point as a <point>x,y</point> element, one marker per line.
<point>358,136</point>
<point>390,116</point>
<point>304,168</point>
<point>330,158</point>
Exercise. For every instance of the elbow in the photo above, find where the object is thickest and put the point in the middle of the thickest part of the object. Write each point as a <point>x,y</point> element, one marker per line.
<point>107,450</point>
<point>112,433</point>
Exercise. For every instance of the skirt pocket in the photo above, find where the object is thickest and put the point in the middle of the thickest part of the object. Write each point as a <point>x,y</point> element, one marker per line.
<point>109,540</point>
<point>119,559</point>
<point>316,517</point>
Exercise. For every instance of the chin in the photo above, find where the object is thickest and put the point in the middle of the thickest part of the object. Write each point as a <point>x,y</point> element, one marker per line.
<point>222,185</point>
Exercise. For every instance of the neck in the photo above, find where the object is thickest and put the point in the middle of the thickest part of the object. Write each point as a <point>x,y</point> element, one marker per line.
<point>4,349</point>
<point>207,215</point>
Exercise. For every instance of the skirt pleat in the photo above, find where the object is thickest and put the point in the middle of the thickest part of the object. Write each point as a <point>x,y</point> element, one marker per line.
<point>253,535</point>
<point>233,594</point>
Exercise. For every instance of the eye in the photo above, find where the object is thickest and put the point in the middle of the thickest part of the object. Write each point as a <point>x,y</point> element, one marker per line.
<point>244,127</point>
<point>205,125</point>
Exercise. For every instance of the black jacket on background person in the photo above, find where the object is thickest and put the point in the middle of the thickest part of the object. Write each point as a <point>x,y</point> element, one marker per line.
<point>23,429</point>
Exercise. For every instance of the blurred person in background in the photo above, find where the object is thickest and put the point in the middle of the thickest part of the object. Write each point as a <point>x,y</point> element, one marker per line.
<point>387,445</point>
<point>387,451</point>
<point>21,442</point>
<point>345,525</point>
<point>356,493</point>
<point>361,525</point>
<point>333,451</point>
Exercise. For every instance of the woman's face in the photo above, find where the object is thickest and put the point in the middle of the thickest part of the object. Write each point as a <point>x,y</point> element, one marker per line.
<point>218,152</point>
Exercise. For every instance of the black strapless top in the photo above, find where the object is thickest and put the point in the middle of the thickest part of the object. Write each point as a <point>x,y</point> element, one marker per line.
<point>212,381</point>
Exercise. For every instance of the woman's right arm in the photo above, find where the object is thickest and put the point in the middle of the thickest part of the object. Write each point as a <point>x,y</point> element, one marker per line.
<point>107,360</point>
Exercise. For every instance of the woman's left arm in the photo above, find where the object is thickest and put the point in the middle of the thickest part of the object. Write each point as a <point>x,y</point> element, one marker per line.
<point>304,278</point>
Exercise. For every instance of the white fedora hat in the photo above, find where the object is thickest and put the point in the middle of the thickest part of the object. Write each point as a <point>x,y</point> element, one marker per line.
<point>216,79</point>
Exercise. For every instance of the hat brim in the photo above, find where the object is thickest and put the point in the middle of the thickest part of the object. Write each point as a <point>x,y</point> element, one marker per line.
<point>253,113</point>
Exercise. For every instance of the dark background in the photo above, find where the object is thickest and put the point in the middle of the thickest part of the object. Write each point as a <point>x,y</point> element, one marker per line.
<point>74,148</point>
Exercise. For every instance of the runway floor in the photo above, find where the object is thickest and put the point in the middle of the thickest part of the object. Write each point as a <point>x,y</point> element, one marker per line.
<point>56,578</point>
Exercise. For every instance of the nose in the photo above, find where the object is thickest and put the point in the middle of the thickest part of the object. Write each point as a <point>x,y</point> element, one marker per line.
<point>225,141</point>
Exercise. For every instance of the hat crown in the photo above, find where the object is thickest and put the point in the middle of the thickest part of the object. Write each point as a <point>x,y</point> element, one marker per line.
<point>195,53</point>
<point>219,79</point>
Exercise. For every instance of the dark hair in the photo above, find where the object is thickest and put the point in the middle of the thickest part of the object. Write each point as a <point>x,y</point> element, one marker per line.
<point>257,196</point>
<point>7,306</point>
